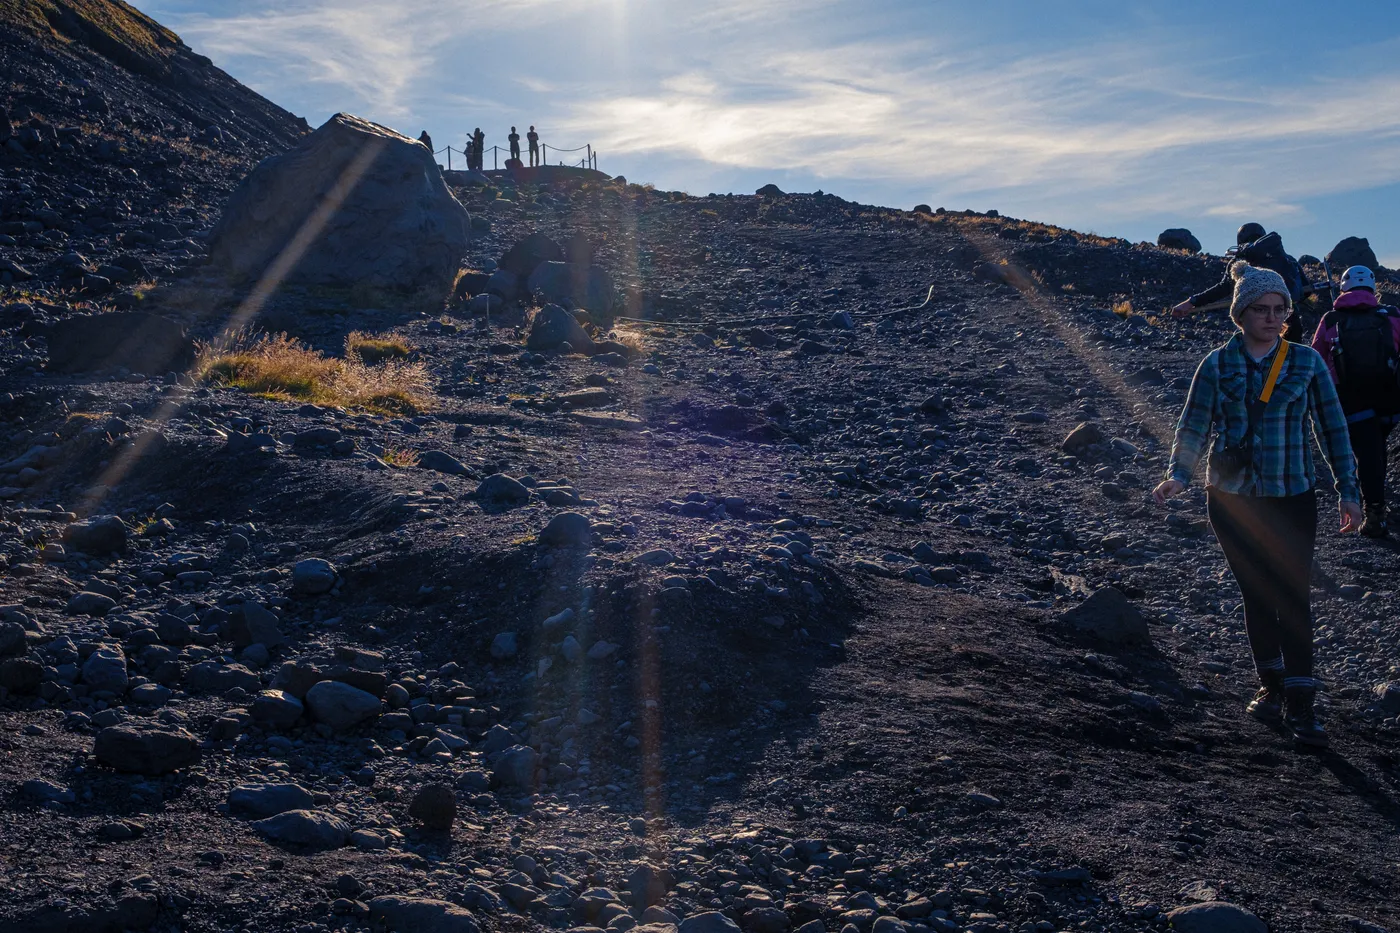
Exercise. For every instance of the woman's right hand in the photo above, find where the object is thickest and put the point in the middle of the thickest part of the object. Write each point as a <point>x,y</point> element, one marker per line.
<point>1166,489</point>
<point>1183,309</point>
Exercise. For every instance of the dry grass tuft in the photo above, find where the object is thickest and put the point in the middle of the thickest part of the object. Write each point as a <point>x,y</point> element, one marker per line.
<point>1123,309</point>
<point>281,367</point>
<point>401,457</point>
<point>373,349</point>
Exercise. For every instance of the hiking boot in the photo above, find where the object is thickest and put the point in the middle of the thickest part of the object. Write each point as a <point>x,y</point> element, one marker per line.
<point>1373,526</point>
<point>1267,705</point>
<point>1301,718</point>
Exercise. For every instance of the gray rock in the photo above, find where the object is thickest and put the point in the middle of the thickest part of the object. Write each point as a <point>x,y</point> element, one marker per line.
<point>306,829</point>
<point>1353,251</point>
<point>435,806</point>
<point>21,675</point>
<point>144,748</point>
<point>711,921</point>
<point>1179,238</point>
<point>103,534</point>
<point>527,254</point>
<point>397,226</point>
<point>551,327</point>
<point>1215,917</point>
<point>515,767</point>
<point>421,915</point>
<point>501,489</point>
<point>151,695</point>
<point>214,677</point>
<point>567,530</point>
<point>254,624</point>
<point>440,461</point>
<point>276,708</point>
<point>1109,615</point>
<point>649,884</point>
<point>658,557</point>
<point>105,669</point>
<point>312,577</point>
<point>317,437</point>
<point>573,285</point>
<point>889,925</point>
<point>340,705</point>
<point>774,920</point>
<point>1388,696</point>
<point>47,791</point>
<point>1084,436</point>
<point>504,645</point>
<point>90,604</point>
<point>12,638</point>
<point>503,284</point>
<point>264,800</point>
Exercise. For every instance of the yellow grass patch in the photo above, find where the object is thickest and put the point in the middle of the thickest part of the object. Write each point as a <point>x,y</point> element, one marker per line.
<point>373,349</point>
<point>281,367</point>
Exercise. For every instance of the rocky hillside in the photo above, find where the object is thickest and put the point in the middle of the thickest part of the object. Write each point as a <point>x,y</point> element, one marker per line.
<point>119,145</point>
<point>804,579</point>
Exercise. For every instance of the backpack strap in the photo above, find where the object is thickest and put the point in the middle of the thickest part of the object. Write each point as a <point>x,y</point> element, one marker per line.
<point>1256,408</point>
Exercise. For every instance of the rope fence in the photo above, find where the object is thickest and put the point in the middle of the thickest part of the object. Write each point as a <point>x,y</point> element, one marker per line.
<point>589,160</point>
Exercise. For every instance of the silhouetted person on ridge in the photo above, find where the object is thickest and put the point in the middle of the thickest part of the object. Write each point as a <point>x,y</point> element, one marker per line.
<point>514,144</point>
<point>426,140</point>
<point>534,140</point>
<point>1263,251</point>
<point>479,144</point>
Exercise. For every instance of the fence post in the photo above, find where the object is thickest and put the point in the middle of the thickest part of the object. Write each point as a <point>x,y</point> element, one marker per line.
<point>589,153</point>
<point>449,158</point>
<point>495,151</point>
<point>545,160</point>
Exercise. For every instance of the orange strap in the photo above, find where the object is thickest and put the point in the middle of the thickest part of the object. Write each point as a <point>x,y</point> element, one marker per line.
<point>1274,371</point>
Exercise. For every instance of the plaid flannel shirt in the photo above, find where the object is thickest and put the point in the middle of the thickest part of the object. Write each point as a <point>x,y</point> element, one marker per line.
<point>1225,383</point>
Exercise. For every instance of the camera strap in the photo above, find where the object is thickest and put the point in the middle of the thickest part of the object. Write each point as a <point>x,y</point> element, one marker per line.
<point>1256,409</point>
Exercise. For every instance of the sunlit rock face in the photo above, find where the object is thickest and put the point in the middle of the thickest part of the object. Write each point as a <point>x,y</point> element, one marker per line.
<point>353,204</point>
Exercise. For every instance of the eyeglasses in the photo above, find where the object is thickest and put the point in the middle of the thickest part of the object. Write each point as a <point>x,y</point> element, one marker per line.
<point>1267,312</point>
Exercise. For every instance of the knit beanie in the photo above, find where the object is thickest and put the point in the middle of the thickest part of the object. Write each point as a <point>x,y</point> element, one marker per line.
<point>1252,283</point>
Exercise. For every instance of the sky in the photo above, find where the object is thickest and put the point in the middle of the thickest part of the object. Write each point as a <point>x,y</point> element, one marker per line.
<point>1120,118</point>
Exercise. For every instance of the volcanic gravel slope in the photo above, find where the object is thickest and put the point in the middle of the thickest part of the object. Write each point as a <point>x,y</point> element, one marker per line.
<point>807,664</point>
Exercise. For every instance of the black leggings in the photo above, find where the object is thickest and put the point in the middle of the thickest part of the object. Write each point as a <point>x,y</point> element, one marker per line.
<point>1368,440</point>
<point>1268,543</point>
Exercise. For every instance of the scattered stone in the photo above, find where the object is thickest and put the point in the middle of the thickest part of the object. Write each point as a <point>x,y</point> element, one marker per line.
<point>47,791</point>
<point>552,327</point>
<point>306,829</point>
<point>515,767</point>
<point>104,534</point>
<point>567,530</point>
<point>264,800</point>
<point>501,489</point>
<point>1084,436</point>
<point>312,577</point>
<point>439,461</point>
<point>1215,917</point>
<point>90,604</point>
<point>421,915</point>
<point>711,921</point>
<point>1109,615</point>
<point>133,340</point>
<point>435,806</point>
<point>105,669</point>
<point>1353,251</point>
<point>145,748</point>
<point>276,709</point>
<point>340,705</point>
<point>504,645</point>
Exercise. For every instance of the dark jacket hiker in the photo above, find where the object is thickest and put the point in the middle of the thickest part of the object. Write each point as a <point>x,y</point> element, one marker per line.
<point>1262,251</point>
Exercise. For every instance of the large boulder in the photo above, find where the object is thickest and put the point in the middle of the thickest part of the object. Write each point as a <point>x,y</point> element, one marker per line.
<point>354,203</point>
<point>573,286</point>
<point>140,342</point>
<point>101,534</point>
<point>305,829</point>
<point>340,705</point>
<point>1353,251</point>
<point>1179,238</point>
<point>552,327</point>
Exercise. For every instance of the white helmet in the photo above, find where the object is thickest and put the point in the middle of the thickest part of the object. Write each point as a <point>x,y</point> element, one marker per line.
<point>1358,277</point>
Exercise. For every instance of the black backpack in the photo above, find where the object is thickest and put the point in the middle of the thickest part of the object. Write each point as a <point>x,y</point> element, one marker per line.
<point>1267,253</point>
<point>1368,370</point>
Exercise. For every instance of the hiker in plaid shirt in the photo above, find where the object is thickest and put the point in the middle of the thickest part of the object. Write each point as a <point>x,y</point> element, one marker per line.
<point>1260,495</point>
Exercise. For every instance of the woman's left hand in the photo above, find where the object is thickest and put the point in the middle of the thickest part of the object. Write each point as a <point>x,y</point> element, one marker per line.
<point>1351,516</point>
